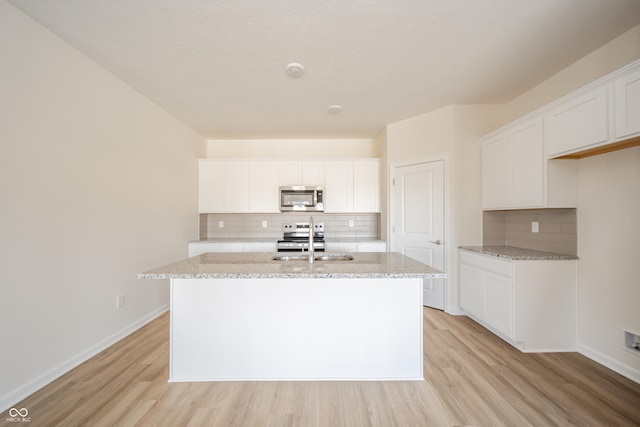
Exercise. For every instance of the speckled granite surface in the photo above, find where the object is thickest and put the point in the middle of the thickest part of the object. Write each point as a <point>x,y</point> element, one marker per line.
<point>256,265</point>
<point>275,239</point>
<point>236,240</point>
<point>517,254</point>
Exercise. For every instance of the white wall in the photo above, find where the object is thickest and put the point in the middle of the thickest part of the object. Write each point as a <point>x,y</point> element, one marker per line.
<point>608,268</point>
<point>452,133</point>
<point>614,55</point>
<point>289,148</point>
<point>97,184</point>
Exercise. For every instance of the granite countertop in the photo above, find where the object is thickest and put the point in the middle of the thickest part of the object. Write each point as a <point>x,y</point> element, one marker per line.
<point>257,265</point>
<point>275,239</point>
<point>518,254</point>
<point>236,240</point>
<point>353,240</point>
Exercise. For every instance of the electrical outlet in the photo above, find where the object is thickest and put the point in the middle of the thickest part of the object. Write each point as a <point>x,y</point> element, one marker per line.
<point>350,223</point>
<point>535,227</point>
<point>264,224</point>
<point>220,224</point>
<point>119,302</point>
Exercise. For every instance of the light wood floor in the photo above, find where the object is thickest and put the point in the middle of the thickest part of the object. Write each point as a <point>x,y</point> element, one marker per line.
<point>471,378</point>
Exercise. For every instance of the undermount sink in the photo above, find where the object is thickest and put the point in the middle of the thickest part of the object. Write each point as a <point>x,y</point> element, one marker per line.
<point>323,257</point>
<point>290,258</point>
<point>334,257</point>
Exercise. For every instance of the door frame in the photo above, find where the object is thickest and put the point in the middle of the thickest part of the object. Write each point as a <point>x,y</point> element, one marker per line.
<point>391,208</point>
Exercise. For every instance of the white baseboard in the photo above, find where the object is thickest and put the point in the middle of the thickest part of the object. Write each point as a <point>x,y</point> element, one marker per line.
<point>455,311</point>
<point>10,399</point>
<point>624,370</point>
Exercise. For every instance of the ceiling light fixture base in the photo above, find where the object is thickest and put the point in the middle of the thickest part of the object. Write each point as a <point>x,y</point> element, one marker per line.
<point>295,69</point>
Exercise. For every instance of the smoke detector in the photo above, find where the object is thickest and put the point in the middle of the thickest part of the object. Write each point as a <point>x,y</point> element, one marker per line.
<point>295,70</point>
<point>334,109</point>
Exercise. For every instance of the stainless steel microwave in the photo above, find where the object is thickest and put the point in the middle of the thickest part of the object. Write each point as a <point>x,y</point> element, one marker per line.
<point>301,198</point>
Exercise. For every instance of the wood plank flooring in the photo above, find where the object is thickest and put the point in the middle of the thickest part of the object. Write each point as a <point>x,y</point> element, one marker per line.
<point>472,378</point>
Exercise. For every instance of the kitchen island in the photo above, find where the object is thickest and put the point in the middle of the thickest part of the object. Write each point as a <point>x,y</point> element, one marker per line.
<point>245,316</point>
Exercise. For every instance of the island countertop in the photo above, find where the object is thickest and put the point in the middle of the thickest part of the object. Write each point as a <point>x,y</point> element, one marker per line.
<point>256,265</point>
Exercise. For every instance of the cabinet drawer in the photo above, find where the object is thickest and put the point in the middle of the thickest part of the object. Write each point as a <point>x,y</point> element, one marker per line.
<point>487,263</point>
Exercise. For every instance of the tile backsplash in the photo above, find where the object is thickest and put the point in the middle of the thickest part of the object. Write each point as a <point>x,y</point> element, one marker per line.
<point>250,225</point>
<point>557,229</point>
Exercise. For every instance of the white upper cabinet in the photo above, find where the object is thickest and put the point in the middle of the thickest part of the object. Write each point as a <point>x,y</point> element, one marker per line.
<point>528,163</point>
<point>366,187</point>
<point>627,104</point>
<point>210,186</point>
<point>516,174</point>
<point>579,121</point>
<point>338,187</point>
<point>352,186</point>
<point>306,172</point>
<point>291,173</point>
<point>313,173</point>
<point>527,141</point>
<point>600,117</point>
<point>496,172</point>
<point>264,183</point>
<point>253,185</point>
<point>236,186</point>
<point>513,167</point>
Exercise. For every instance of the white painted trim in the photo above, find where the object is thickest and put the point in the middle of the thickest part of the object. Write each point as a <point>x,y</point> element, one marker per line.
<point>10,399</point>
<point>625,370</point>
<point>455,311</point>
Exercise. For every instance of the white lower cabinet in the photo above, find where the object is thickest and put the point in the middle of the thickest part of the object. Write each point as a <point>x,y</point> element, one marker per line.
<point>259,247</point>
<point>371,247</point>
<point>197,248</point>
<point>356,247</point>
<point>530,304</point>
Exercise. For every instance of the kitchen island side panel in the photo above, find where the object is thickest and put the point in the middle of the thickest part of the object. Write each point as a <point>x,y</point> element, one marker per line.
<point>296,329</point>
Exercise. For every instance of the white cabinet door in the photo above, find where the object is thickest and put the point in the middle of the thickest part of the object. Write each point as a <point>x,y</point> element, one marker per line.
<point>341,247</point>
<point>264,182</point>
<point>259,247</point>
<point>580,121</point>
<point>499,303</point>
<point>527,159</point>
<point>472,290</point>
<point>627,104</point>
<point>236,186</point>
<point>487,291</point>
<point>515,173</point>
<point>290,173</point>
<point>338,186</point>
<point>496,172</point>
<point>366,188</point>
<point>371,247</point>
<point>313,173</point>
<point>305,172</point>
<point>210,186</point>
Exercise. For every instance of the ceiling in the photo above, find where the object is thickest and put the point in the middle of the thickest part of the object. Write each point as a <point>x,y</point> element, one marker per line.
<point>219,66</point>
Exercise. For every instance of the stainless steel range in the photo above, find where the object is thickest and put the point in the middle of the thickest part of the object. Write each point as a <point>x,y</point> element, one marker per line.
<point>296,237</point>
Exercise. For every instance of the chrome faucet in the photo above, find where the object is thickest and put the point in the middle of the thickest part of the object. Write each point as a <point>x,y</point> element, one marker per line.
<point>311,248</point>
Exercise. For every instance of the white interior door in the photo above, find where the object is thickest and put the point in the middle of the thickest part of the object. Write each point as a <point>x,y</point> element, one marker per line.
<point>418,221</point>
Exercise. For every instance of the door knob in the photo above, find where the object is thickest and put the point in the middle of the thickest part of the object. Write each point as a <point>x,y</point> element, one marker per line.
<point>437,242</point>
